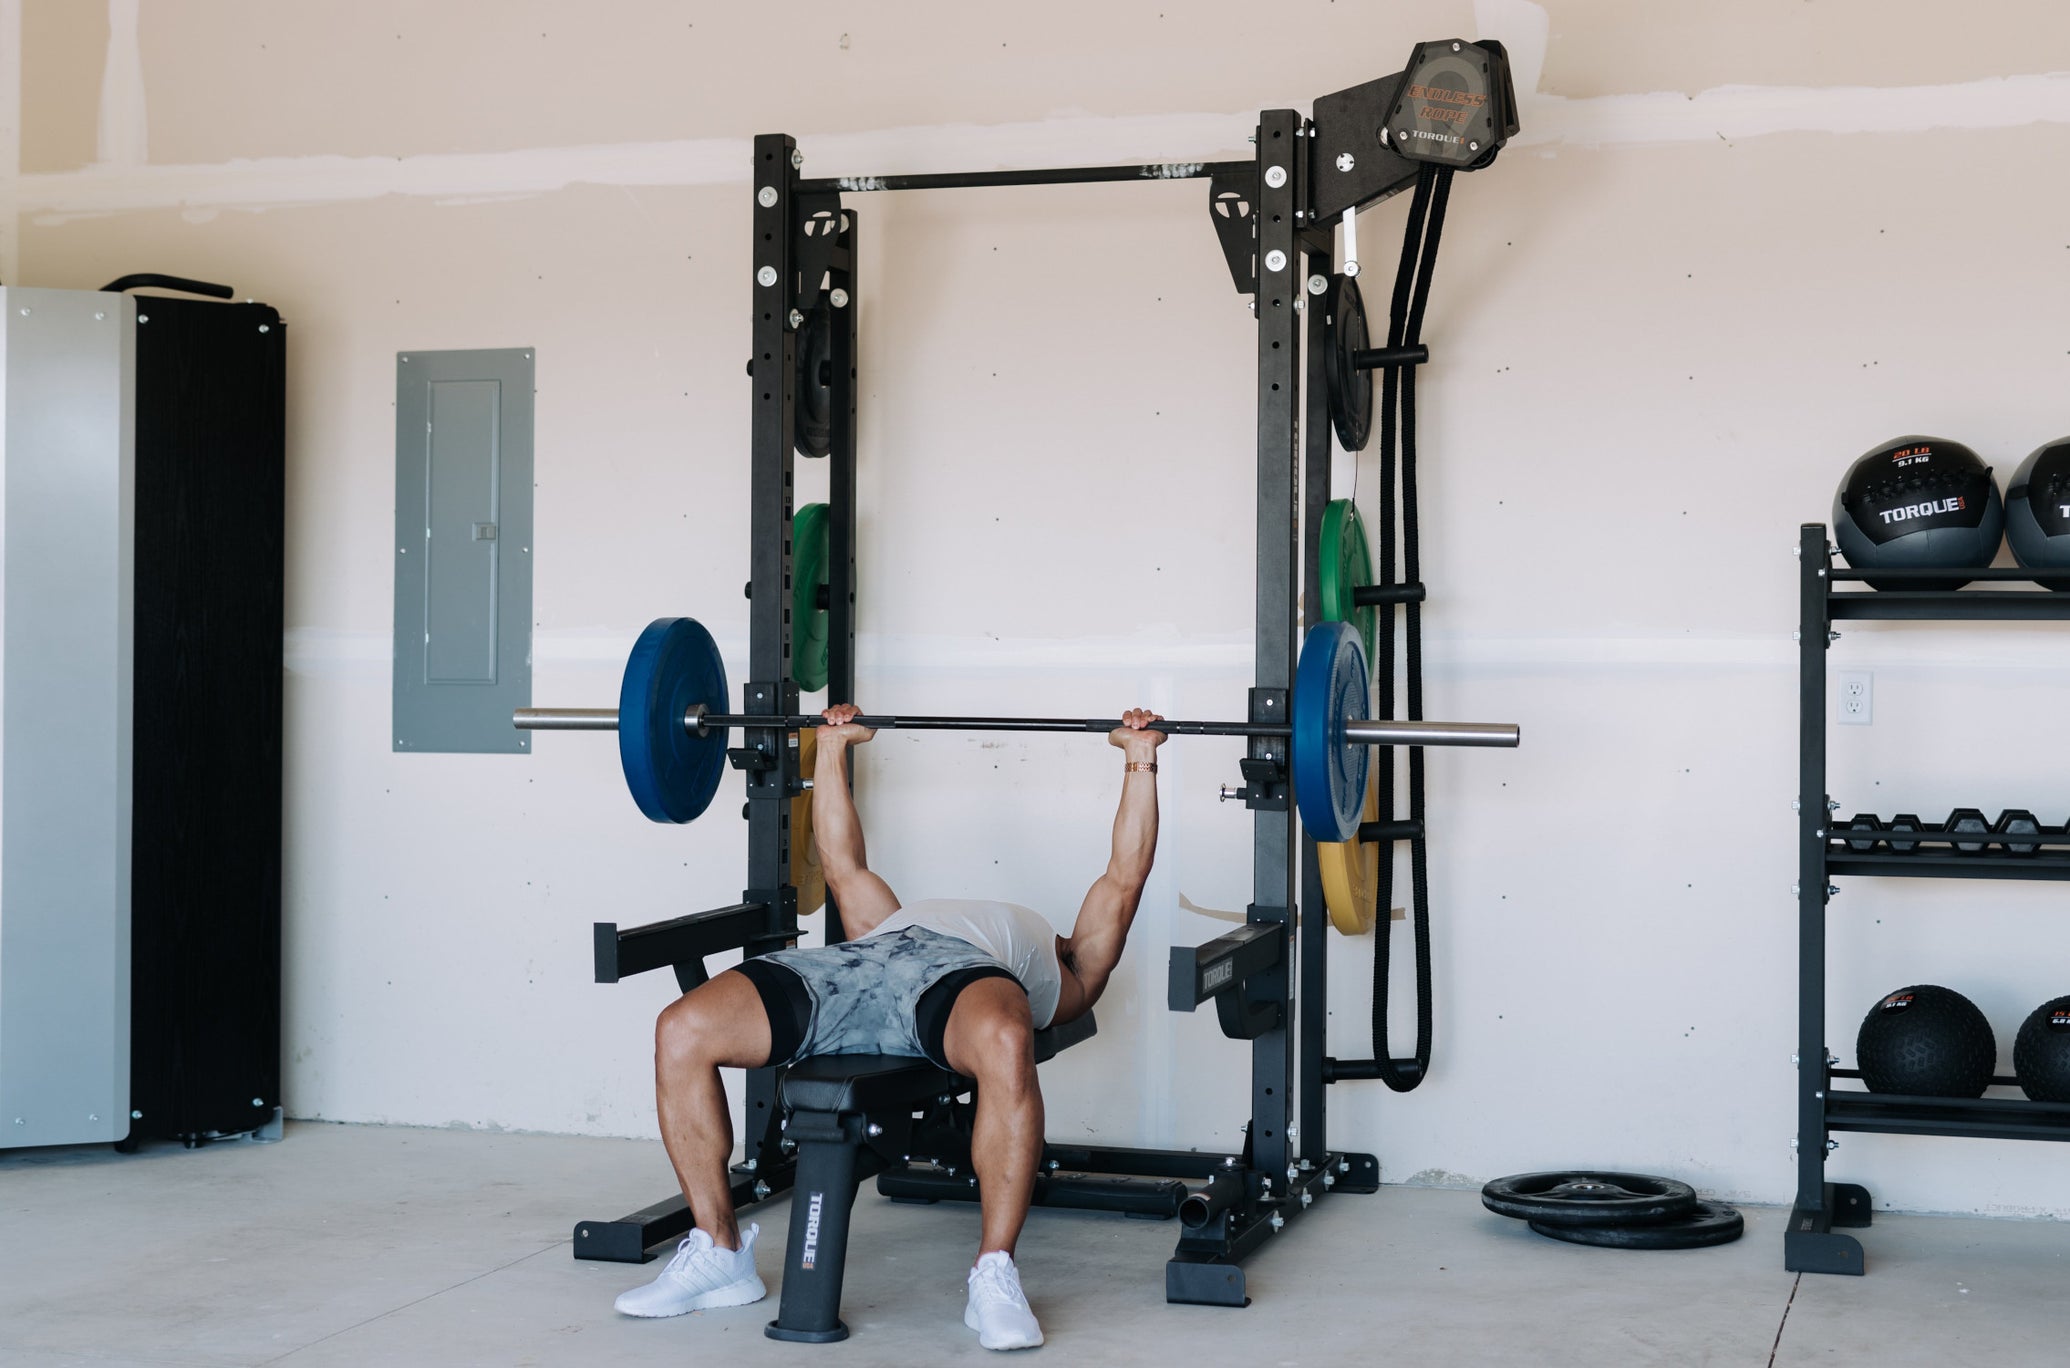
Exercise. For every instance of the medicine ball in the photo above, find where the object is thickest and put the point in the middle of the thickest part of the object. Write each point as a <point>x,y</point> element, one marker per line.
<point>1918,502</point>
<point>2041,1053</point>
<point>1928,1042</point>
<point>2037,510</point>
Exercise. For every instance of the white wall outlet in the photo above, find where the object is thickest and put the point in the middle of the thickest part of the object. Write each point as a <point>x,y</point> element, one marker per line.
<point>1855,703</point>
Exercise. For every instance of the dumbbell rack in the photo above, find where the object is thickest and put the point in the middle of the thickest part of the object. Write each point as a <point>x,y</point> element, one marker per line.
<point>1812,1244</point>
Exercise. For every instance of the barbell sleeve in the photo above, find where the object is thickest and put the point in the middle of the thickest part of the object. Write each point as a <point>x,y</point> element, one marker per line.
<point>1379,732</point>
<point>1361,731</point>
<point>565,719</point>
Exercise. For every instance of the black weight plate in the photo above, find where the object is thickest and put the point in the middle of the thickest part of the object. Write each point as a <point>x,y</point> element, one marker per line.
<point>1712,1223</point>
<point>815,348</point>
<point>1584,1198</point>
<point>1351,389</point>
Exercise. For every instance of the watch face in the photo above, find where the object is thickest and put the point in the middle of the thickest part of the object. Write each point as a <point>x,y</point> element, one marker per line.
<point>1916,484</point>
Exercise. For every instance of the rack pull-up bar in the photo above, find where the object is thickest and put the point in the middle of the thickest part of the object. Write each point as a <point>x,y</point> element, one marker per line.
<point>1057,175</point>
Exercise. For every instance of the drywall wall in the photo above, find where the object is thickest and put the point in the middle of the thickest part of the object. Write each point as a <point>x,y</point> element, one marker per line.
<point>1731,250</point>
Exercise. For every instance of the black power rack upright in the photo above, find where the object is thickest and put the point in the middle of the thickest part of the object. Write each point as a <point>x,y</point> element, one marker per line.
<point>1276,217</point>
<point>1813,1242</point>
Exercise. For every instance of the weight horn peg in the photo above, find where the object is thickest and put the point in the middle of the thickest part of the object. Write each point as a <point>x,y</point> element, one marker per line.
<point>672,724</point>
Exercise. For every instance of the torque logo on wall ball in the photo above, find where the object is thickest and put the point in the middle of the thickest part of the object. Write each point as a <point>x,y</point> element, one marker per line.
<point>1952,504</point>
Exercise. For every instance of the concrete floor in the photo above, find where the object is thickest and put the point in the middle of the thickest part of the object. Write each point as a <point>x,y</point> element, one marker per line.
<point>375,1245</point>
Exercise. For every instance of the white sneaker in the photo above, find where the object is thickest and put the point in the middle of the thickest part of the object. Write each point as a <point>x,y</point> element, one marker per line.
<point>701,1276</point>
<point>998,1309</point>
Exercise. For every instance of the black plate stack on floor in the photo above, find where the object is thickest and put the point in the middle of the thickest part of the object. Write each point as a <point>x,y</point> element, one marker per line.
<point>1613,1210</point>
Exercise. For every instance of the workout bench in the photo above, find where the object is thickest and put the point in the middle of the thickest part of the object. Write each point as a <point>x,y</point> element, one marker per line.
<point>851,1116</point>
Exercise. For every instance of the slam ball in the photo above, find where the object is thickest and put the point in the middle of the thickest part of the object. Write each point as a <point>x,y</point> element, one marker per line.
<point>1918,502</point>
<point>1926,1041</point>
<point>2037,510</point>
<point>2041,1052</point>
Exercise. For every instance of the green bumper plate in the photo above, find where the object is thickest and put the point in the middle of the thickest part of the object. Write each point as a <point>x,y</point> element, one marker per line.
<point>809,561</point>
<point>1347,564</point>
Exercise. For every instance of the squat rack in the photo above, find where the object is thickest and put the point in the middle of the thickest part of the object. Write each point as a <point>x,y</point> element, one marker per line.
<point>1275,216</point>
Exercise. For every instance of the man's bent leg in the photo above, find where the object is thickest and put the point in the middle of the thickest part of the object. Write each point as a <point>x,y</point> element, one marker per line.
<point>990,1038</point>
<point>721,1023</point>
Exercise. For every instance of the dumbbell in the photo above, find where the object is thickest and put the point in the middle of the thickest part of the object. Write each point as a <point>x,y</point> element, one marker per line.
<point>1967,820</point>
<point>1864,822</point>
<point>1904,821</point>
<point>2018,822</point>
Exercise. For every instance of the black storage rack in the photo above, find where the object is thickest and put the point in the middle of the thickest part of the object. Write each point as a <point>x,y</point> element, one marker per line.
<point>1812,1243</point>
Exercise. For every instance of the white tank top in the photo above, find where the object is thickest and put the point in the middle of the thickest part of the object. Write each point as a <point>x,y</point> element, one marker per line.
<point>1019,938</point>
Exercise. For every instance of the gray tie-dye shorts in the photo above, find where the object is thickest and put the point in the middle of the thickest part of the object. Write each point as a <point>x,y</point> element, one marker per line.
<point>866,993</point>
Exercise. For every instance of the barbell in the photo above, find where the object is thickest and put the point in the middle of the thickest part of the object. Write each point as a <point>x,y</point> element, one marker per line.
<point>672,724</point>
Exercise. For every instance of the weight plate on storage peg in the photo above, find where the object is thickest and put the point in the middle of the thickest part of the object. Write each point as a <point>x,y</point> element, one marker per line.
<point>1345,559</point>
<point>1862,821</point>
<point>1967,819</point>
<point>815,406</point>
<point>671,771</point>
<point>1351,871</point>
<point>810,559</point>
<point>1711,1223</point>
<point>1904,821</point>
<point>1331,772</point>
<point>1351,389</point>
<point>2018,822</point>
<point>1585,1198</point>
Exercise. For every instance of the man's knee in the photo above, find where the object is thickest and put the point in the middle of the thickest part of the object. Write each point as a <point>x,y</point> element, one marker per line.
<point>723,1022</point>
<point>685,1030</point>
<point>1003,1040</point>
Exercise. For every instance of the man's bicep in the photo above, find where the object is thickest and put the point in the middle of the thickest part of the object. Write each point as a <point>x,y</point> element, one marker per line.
<point>1102,926</point>
<point>865,901</point>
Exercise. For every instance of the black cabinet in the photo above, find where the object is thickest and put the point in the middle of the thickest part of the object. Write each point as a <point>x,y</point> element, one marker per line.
<point>206,839</point>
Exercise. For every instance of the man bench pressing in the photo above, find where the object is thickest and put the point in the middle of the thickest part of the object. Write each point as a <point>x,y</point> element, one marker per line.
<point>963,983</point>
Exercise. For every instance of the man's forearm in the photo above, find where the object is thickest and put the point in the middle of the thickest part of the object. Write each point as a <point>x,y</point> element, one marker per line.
<point>1135,828</point>
<point>836,825</point>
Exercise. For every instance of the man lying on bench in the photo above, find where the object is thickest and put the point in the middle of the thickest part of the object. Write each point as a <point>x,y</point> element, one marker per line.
<point>963,983</point>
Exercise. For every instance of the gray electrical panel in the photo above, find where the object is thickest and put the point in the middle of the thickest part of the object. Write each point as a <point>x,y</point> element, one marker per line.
<point>463,549</point>
<point>67,585</point>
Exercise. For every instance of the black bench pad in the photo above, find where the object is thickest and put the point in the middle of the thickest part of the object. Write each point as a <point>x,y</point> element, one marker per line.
<point>863,1082</point>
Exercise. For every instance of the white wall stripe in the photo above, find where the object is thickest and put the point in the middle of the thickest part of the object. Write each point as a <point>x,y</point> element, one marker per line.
<point>1729,112</point>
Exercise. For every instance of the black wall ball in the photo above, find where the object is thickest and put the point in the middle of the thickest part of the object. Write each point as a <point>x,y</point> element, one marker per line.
<point>1926,1041</point>
<point>1918,502</point>
<point>2037,510</point>
<point>2041,1052</point>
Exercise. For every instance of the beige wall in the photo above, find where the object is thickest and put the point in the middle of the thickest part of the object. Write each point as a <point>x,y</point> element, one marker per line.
<point>1735,247</point>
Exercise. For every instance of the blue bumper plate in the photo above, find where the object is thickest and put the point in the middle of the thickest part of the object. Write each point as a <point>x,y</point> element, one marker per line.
<point>1331,687</point>
<point>671,770</point>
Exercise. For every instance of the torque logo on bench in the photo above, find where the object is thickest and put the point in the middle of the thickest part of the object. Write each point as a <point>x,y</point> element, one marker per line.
<point>810,1254</point>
